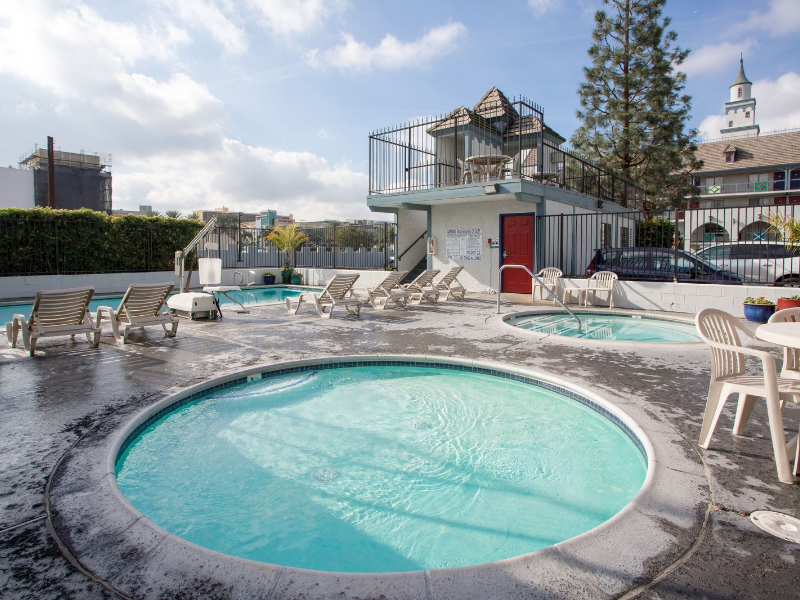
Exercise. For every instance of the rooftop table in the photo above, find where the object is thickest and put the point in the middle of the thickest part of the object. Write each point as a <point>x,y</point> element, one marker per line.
<point>489,165</point>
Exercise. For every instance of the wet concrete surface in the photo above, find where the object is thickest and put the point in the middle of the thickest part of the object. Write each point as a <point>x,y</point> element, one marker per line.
<point>50,402</point>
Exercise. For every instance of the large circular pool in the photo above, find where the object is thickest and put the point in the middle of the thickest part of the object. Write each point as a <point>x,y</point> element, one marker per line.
<point>607,327</point>
<point>381,466</point>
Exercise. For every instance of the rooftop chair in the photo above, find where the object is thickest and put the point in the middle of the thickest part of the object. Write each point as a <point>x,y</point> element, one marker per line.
<point>791,356</point>
<point>386,291</point>
<point>602,281</point>
<point>338,292</point>
<point>515,169</point>
<point>450,286</point>
<point>142,305</point>
<point>55,312</point>
<point>468,172</point>
<point>720,330</point>
<point>421,289</point>
<point>551,277</point>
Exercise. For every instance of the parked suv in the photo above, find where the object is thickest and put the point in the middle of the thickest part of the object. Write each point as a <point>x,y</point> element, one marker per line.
<point>658,263</point>
<point>764,262</point>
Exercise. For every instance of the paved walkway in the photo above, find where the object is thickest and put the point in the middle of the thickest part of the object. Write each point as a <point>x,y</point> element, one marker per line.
<point>68,390</point>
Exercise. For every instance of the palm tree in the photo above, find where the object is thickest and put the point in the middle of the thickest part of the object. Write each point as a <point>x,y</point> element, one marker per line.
<point>173,214</point>
<point>287,239</point>
<point>191,217</point>
<point>151,213</point>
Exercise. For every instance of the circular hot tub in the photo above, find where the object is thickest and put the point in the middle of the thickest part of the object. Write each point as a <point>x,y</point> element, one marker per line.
<point>380,466</point>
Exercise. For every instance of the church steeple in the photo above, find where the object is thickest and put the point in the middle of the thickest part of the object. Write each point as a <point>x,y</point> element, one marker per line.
<point>740,111</point>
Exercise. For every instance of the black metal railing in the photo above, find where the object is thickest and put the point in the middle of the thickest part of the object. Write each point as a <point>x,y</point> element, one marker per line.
<point>494,141</point>
<point>31,247</point>
<point>715,245</point>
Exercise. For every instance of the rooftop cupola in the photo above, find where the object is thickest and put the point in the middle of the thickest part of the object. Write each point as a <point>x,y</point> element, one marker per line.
<point>740,89</point>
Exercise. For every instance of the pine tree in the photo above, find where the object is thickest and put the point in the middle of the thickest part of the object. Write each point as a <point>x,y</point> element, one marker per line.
<point>632,107</point>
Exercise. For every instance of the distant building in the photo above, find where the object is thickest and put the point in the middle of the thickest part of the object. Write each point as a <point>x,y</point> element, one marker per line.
<point>262,220</point>
<point>81,180</point>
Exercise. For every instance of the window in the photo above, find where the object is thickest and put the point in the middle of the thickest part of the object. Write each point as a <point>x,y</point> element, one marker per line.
<point>740,92</point>
<point>747,114</point>
<point>605,235</point>
<point>730,156</point>
<point>624,237</point>
<point>730,123</point>
<point>794,180</point>
<point>716,253</point>
<point>779,179</point>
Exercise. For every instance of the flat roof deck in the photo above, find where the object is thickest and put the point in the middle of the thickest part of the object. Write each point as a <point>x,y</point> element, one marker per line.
<point>700,545</point>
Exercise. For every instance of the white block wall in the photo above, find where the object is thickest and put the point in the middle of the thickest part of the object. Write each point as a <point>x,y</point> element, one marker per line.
<point>685,297</point>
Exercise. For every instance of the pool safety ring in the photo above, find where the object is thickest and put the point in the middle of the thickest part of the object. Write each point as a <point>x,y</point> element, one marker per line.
<point>780,525</point>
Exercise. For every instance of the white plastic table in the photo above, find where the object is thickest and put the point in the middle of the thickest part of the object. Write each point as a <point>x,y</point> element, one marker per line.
<point>490,165</point>
<point>783,334</point>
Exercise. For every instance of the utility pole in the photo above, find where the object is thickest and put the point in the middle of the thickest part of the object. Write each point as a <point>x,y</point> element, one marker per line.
<point>51,174</point>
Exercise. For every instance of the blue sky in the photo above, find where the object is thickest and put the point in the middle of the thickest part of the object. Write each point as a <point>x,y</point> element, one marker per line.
<point>258,104</point>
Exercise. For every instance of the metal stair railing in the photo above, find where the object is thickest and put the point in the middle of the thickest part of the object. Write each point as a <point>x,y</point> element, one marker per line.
<point>542,283</point>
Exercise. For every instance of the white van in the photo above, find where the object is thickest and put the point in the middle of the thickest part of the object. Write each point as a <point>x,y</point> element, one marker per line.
<point>763,262</point>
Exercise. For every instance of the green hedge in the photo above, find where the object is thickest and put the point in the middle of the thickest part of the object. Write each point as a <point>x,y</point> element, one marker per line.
<point>42,241</point>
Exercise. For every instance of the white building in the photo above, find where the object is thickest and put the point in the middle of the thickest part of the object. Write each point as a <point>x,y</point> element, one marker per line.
<point>16,188</point>
<point>740,111</point>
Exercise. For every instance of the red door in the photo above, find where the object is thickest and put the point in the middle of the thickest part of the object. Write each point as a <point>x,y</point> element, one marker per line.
<point>517,250</point>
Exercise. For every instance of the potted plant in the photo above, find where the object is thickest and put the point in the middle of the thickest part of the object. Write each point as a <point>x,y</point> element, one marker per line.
<point>269,278</point>
<point>788,302</point>
<point>287,240</point>
<point>758,310</point>
<point>297,278</point>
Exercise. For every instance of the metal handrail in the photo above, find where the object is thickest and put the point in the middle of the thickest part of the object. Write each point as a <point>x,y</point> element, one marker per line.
<point>552,293</point>
<point>424,233</point>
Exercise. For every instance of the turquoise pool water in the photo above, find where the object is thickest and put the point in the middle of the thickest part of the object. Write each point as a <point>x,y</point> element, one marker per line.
<point>599,326</point>
<point>381,469</point>
<point>248,296</point>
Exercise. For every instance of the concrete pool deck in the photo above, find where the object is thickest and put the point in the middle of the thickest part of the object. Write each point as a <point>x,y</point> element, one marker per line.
<point>691,539</point>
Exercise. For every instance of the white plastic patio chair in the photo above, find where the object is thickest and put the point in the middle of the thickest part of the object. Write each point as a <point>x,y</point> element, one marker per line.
<point>601,281</point>
<point>421,289</point>
<point>143,304</point>
<point>338,292</point>
<point>720,331</point>
<point>551,277</point>
<point>55,312</point>
<point>386,291</point>
<point>450,286</point>
<point>791,356</point>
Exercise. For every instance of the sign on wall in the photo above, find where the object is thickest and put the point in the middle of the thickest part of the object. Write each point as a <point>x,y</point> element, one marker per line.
<point>464,244</point>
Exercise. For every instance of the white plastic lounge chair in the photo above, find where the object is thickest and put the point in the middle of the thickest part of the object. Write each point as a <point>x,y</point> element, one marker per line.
<point>791,356</point>
<point>602,281</point>
<point>551,278</point>
<point>421,289</point>
<point>142,305</point>
<point>449,285</point>
<point>55,312</point>
<point>338,292</point>
<point>720,330</point>
<point>387,291</point>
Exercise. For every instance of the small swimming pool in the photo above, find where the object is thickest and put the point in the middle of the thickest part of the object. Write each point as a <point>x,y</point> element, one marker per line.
<point>246,296</point>
<point>607,327</point>
<point>381,466</point>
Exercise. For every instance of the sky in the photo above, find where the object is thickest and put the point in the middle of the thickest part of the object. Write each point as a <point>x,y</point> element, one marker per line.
<point>257,104</point>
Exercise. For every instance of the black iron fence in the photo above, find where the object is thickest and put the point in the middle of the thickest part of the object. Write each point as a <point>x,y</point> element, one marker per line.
<point>734,245</point>
<point>496,140</point>
<point>340,247</point>
<point>40,247</point>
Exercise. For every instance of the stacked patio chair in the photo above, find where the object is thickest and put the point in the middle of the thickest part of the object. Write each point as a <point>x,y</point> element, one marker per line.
<point>388,290</point>
<point>720,331</point>
<point>421,289</point>
<point>143,305</point>
<point>791,356</point>
<point>449,285</point>
<point>55,312</point>
<point>338,292</point>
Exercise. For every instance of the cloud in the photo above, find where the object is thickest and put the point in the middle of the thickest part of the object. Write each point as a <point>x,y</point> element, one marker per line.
<point>243,177</point>
<point>390,53</point>
<point>321,133</point>
<point>718,56</point>
<point>205,15</point>
<point>295,16</point>
<point>540,7</point>
<point>777,106</point>
<point>782,18</point>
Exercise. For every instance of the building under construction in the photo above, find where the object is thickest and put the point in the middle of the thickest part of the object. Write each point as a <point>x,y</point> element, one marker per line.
<point>80,180</point>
